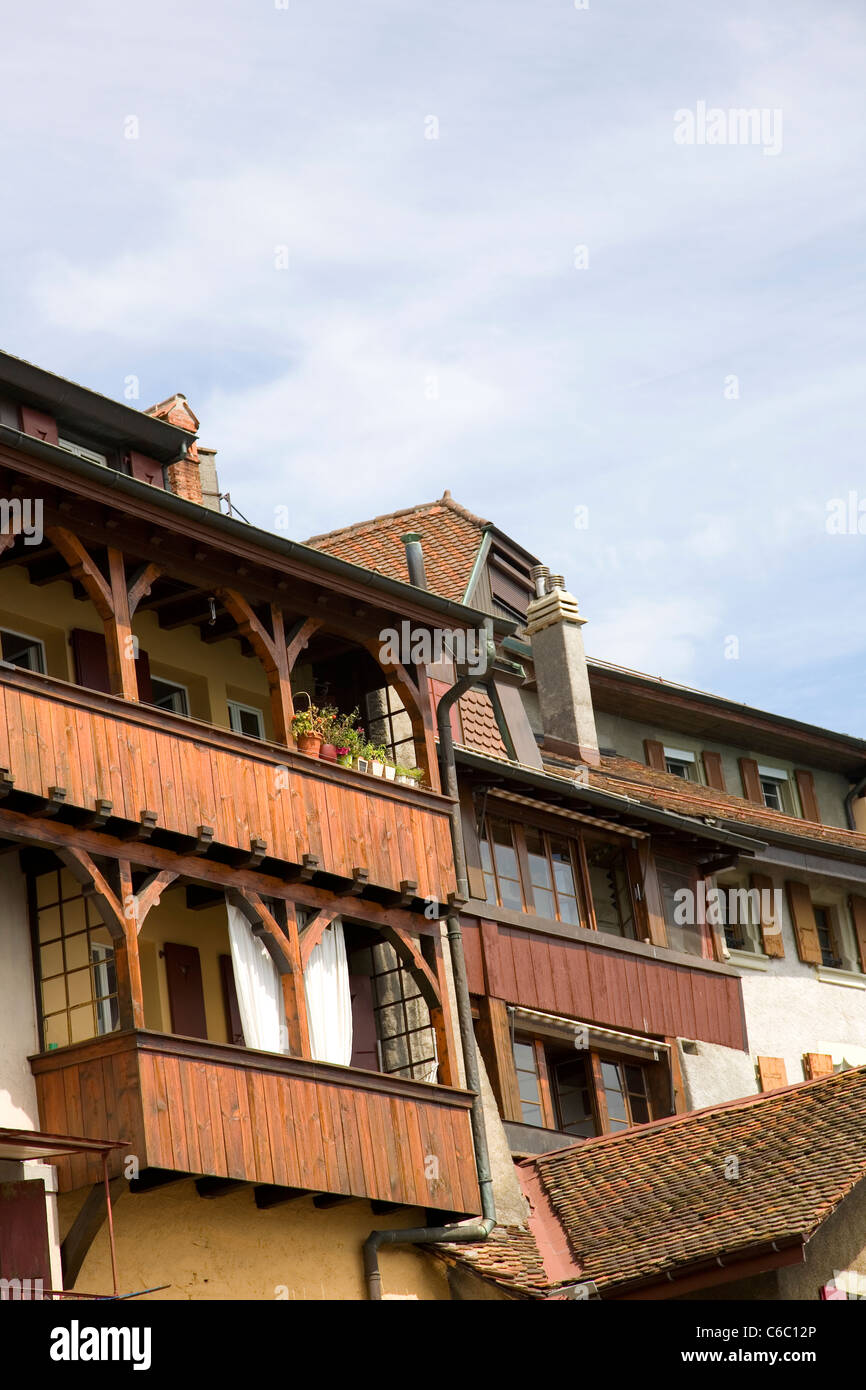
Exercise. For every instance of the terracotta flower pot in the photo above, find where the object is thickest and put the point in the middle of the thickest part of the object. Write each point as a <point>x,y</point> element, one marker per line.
<point>328,751</point>
<point>309,743</point>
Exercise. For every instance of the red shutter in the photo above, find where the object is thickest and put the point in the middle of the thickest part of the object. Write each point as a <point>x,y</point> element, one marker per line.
<point>771,1071</point>
<point>185,992</point>
<point>142,671</point>
<point>145,469</point>
<point>234,1027</point>
<point>713,770</point>
<point>817,1064</point>
<point>771,930</point>
<point>39,425</point>
<point>808,799</point>
<point>655,754</point>
<point>24,1223</point>
<point>858,913</point>
<point>751,781</point>
<point>91,660</point>
<point>803,917</point>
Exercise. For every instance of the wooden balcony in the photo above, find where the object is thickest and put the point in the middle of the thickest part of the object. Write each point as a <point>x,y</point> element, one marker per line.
<point>100,748</point>
<point>213,1110</point>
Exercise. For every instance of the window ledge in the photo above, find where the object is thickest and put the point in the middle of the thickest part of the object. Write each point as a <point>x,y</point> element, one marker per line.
<point>852,978</point>
<point>748,960</point>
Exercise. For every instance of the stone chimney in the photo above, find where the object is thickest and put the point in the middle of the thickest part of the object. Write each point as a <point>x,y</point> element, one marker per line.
<point>554,624</point>
<point>183,476</point>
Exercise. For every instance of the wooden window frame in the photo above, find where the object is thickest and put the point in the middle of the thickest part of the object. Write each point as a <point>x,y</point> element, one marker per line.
<point>579,872</point>
<point>237,705</point>
<point>832,928</point>
<point>184,689</point>
<point>548,1101</point>
<point>35,642</point>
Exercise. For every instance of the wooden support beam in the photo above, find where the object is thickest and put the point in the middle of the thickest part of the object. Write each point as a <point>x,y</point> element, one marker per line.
<point>94,885</point>
<point>267,1196</point>
<point>386,1208</point>
<point>151,1179</point>
<point>281,940</point>
<point>313,933</point>
<point>150,892</point>
<point>325,1200</point>
<point>270,648</point>
<point>217,1187</point>
<point>98,816</point>
<point>299,637</point>
<point>140,585</point>
<point>409,952</point>
<point>360,881</point>
<point>85,1228</point>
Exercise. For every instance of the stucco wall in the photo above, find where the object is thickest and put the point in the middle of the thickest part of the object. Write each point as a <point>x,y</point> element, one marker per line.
<point>224,1247</point>
<point>627,737</point>
<point>17,1002</point>
<point>713,1074</point>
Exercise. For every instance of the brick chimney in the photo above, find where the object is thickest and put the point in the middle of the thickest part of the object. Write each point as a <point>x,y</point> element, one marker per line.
<point>183,476</point>
<point>554,624</point>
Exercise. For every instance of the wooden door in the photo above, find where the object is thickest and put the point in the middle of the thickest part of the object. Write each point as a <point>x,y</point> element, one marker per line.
<point>365,1053</point>
<point>185,992</point>
<point>24,1242</point>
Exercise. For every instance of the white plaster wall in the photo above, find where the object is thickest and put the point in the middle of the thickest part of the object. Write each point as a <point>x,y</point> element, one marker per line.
<point>18,1034</point>
<point>714,1074</point>
<point>627,737</point>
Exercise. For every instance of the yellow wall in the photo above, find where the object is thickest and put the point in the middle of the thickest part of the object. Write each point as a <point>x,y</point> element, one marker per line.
<point>225,1248</point>
<point>213,672</point>
<point>208,931</point>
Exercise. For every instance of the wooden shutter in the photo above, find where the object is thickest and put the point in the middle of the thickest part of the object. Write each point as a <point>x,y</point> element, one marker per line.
<point>817,1064</point>
<point>24,1223</point>
<point>142,671</point>
<point>494,1043</point>
<point>771,930</point>
<point>655,754</point>
<point>713,770</point>
<point>858,914</point>
<point>234,1027</point>
<point>185,992</point>
<point>751,781</point>
<point>145,469</point>
<point>365,1053</point>
<point>91,660</point>
<point>803,918</point>
<point>808,799</point>
<point>771,1071</point>
<point>39,425</point>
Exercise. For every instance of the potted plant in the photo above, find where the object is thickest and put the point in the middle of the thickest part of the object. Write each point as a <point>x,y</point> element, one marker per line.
<point>390,770</point>
<point>375,756</point>
<point>415,775</point>
<point>346,736</point>
<point>307,728</point>
<point>403,779</point>
<point>330,728</point>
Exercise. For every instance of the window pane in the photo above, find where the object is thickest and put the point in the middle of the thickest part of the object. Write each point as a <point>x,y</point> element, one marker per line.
<point>524,1056</point>
<point>545,903</point>
<point>616,1105</point>
<point>506,859</point>
<point>611,895</point>
<point>610,1075</point>
<point>639,1110</point>
<point>532,1114</point>
<point>527,1084</point>
<point>634,1080</point>
<point>569,911</point>
<point>574,1099</point>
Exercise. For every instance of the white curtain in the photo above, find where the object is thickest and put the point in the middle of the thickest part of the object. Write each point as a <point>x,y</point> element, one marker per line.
<point>329,999</point>
<point>260,993</point>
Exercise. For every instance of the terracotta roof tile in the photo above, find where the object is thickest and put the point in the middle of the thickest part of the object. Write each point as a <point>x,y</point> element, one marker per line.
<point>480,730</point>
<point>654,1200</point>
<point>450,535</point>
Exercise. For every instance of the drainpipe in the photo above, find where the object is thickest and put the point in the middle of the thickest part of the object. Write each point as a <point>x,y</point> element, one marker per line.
<point>475,1230</point>
<point>857,790</point>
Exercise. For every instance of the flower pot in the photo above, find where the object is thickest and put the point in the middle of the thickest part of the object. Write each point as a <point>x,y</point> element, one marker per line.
<point>309,743</point>
<point>390,773</point>
<point>361,764</point>
<point>345,760</point>
<point>403,781</point>
<point>376,768</point>
<point>328,751</point>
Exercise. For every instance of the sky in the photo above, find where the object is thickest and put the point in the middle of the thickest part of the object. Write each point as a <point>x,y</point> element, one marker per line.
<point>387,249</point>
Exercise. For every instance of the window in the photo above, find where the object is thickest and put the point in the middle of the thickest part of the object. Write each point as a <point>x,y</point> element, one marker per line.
<point>26,652</point>
<point>681,764</point>
<point>583,1093</point>
<point>405,1039</point>
<point>499,862</point>
<point>389,725</point>
<point>551,874</point>
<point>826,928</point>
<point>742,916</point>
<point>244,719</point>
<point>75,962</point>
<point>168,695</point>
<point>625,1093</point>
<point>775,789</point>
<point>90,455</point>
<point>611,888</point>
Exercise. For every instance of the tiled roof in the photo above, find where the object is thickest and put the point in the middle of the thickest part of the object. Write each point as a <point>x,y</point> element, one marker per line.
<point>450,536</point>
<point>657,788</point>
<point>480,730</point>
<point>655,1200</point>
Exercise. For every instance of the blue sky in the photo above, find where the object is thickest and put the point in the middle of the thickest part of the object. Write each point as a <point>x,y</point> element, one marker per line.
<point>361,315</point>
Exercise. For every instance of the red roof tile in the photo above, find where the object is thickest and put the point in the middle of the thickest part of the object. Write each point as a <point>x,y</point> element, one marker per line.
<point>480,730</point>
<point>655,1200</point>
<point>450,536</point>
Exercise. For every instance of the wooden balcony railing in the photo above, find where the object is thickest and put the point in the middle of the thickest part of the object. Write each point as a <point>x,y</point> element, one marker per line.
<point>99,747</point>
<point>212,1110</point>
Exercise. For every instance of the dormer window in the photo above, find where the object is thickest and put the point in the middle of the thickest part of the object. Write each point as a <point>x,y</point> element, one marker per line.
<point>680,763</point>
<point>775,789</point>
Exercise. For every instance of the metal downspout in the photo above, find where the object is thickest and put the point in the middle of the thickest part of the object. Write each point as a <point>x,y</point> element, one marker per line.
<point>850,797</point>
<point>476,1230</point>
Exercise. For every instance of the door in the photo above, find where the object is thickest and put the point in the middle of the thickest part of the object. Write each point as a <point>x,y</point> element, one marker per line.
<point>365,1053</point>
<point>24,1245</point>
<point>185,992</point>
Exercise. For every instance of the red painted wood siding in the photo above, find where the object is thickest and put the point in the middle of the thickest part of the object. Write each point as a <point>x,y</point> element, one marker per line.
<point>599,984</point>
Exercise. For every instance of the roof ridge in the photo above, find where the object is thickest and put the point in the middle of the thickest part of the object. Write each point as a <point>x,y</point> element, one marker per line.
<point>357,527</point>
